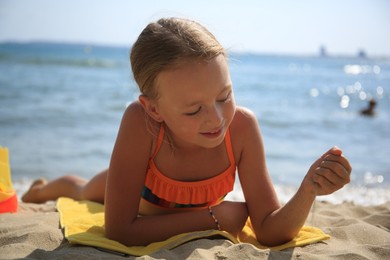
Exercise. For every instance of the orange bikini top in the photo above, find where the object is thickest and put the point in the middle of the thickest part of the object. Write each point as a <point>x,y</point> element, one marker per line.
<point>168,193</point>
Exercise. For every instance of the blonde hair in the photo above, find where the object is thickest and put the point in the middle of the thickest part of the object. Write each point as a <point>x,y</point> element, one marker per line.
<point>164,44</point>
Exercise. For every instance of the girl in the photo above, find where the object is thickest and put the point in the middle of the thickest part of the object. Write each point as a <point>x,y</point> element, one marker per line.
<point>179,146</point>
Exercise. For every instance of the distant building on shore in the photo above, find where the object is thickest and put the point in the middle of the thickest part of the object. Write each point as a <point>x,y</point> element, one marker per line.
<point>323,52</point>
<point>362,54</point>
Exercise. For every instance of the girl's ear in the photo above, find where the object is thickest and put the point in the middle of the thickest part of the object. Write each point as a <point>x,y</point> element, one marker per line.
<point>150,108</point>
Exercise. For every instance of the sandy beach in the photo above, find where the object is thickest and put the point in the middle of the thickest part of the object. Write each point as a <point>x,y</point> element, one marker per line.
<point>357,232</point>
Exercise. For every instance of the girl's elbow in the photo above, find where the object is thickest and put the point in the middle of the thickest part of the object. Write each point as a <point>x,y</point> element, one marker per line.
<point>274,239</point>
<point>123,239</point>
<point>114,235</point>
<point>121,235</point>
<point>130,235</point>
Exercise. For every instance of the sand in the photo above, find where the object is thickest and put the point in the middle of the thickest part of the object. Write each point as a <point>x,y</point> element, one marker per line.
<point>357,232</point>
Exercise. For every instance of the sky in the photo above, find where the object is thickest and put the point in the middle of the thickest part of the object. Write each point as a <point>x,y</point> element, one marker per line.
<point>277,27</point>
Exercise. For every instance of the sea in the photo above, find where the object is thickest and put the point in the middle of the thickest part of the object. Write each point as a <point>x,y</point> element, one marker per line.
<point>61,106</point>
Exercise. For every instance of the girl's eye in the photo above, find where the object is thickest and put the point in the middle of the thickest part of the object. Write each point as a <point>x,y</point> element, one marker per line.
<point>194,113</point>
<point>226,99</point>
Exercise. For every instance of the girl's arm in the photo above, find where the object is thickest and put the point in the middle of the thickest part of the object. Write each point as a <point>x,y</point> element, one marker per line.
<point>272,223</point>
<point>125,181</point>
<point>328,174</point>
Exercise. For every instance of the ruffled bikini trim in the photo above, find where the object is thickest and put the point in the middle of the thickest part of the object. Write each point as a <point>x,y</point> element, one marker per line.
<point>197,192</point>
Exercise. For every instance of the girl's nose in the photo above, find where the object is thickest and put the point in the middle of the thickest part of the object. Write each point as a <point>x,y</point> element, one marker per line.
<point>214,116</point>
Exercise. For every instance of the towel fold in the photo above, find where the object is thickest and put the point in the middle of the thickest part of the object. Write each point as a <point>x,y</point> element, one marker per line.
<point>83,223</point>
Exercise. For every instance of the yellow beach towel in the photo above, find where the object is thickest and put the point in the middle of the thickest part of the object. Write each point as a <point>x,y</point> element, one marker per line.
<point>83,222</point>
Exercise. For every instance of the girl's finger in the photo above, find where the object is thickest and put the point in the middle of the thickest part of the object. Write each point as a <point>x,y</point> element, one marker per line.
<point>340,159</point>
<point>325,186</point>
<point>333,150</point>
<point>328,175</point>
<point>336,169</point>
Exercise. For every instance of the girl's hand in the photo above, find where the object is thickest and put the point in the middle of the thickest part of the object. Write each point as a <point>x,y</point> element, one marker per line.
<point>231,215</point>
<point>328,174</point>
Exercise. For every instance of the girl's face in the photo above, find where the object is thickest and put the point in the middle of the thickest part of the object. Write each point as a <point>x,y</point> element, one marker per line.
<point>196,102</point>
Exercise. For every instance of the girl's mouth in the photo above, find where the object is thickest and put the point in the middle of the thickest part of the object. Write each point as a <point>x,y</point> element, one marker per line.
<point>212,134</point>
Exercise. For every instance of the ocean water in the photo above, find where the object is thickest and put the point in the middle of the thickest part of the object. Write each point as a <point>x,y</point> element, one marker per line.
<point>61,105</point>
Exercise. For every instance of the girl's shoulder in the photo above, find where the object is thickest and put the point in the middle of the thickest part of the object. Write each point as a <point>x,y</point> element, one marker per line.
<point>136,115</point>
<point>135,109</point>
<point>138,126</point>
<point>244,120</point>
<point>244,129</point>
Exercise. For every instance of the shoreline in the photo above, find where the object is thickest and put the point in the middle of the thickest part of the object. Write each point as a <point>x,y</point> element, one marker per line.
<point>356,232</point>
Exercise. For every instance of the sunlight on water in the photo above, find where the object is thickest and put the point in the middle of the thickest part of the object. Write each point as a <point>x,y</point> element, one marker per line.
<point>314,92</point>
<point>355,69</point>
<point>344,103</point>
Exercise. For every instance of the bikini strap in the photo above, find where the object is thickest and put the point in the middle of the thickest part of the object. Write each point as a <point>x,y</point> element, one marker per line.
<point>160,139</point>
<point>229,147</point>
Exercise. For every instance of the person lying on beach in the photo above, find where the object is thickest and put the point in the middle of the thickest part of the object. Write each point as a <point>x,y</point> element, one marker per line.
<point>179,146</point>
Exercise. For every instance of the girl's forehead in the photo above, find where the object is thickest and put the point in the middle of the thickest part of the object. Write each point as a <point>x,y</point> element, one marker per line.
<point>194,74</point>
